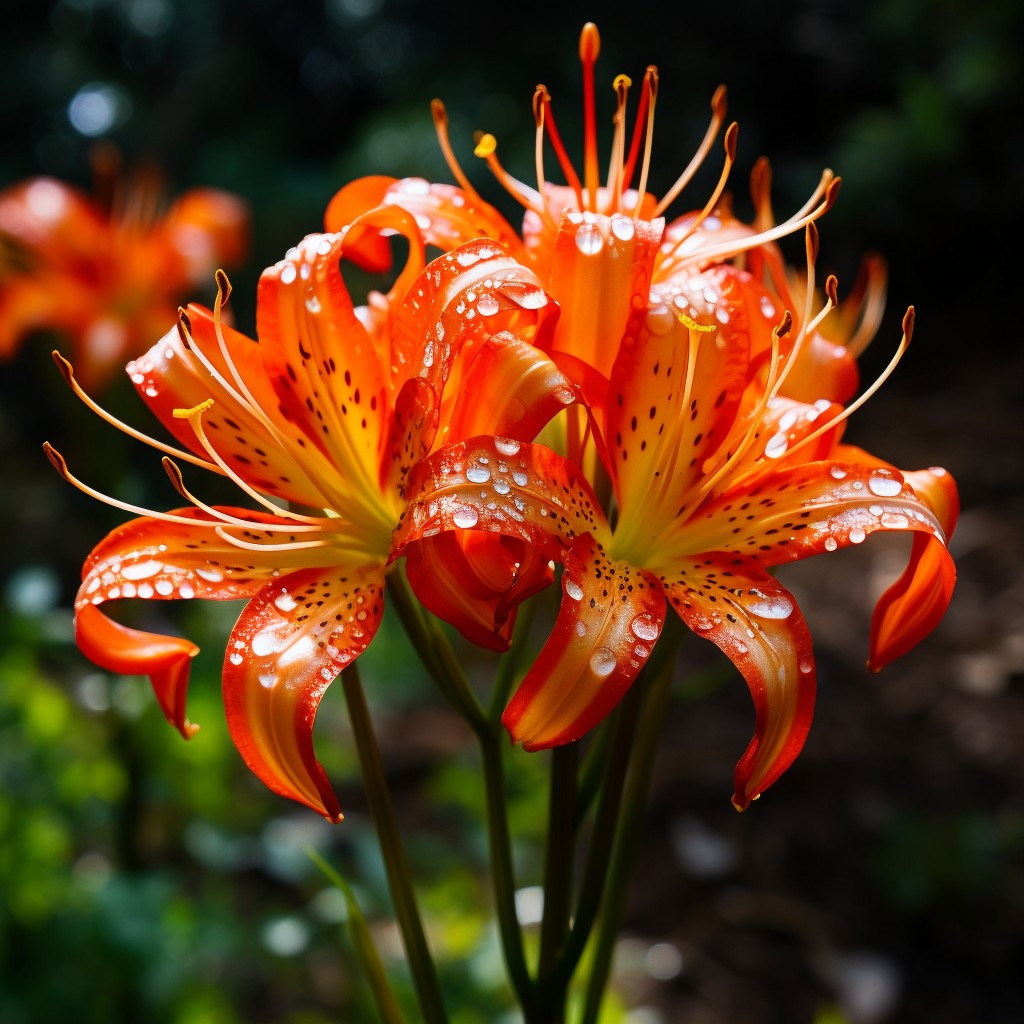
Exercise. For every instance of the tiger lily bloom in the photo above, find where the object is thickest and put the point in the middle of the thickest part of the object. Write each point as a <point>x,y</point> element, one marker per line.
<point>319,424</point>
<point>108,280</point>
<point>716,413</point>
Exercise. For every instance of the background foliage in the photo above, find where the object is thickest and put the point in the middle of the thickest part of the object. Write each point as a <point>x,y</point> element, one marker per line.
<point>144,878</point>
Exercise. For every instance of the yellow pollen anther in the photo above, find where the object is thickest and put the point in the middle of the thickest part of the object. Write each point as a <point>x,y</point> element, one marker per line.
<point>486,146</point>
<point>196,410</point>
<point>622,82</point>
<point>692,324</point>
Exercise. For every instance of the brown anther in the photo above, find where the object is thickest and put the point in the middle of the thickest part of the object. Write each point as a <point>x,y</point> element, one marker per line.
<point>66,369</point>
<point>718,102</point>
<point>831,193</point>
<point>438,112</point>
<point>832,289</point>
<point>760,180</point>
<point>223,287</point>
<point>541,98</point>
<point>787,322</point>
<point>813,240</point>
<point>730,140</point>
<point>908,324</point>
<point>184,326</point>
<point>651,77</point>
<point>56,459</point>
<point>174,475</point>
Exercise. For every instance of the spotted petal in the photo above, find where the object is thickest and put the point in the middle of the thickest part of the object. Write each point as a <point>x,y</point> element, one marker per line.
<point>500,486</point>
<point>734,603</point>
<point>288,645</point>
<point>610,617</point>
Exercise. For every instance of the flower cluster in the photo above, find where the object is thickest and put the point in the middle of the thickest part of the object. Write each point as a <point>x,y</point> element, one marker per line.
<point>107,273</point>
<point>650,412</point>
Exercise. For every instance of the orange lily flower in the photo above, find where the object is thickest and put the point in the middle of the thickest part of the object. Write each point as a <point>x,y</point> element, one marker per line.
<point>319,424</point>
<point>715,410</point>
<point>107,279</point>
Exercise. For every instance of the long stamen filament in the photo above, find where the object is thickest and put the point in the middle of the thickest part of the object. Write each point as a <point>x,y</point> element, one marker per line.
<point>178,483</point>
<point>735,246</point>
<point>615,164</point>
<point>523,194</point>
<point>756,418</point>
<point>564,162</point>
<point>718,109</point>
<point>908,331</point>
<point>302,545</point>
<point>590,47</point>
<point>712,203</point>
<point>195,417</point>
<point>648,140</point>
<point>68,373</point>
<point>441,128</point>
<point>167,517</point>
<point>638,128</point>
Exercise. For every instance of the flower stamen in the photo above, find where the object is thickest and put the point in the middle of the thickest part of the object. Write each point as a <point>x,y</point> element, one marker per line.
<point>440,116</point>
<point>590,47</point>
<point>68,373</point>
<point>718,110</point>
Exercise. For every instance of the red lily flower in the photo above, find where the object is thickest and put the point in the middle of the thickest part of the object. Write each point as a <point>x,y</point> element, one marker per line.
<point>323,415</point>
<point>109,280</point>
<point>715,411</point>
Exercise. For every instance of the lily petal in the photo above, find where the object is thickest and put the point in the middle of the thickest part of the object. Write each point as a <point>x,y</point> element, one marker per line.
<point>609,619</point>
<point>500,485</point>
<point>475,582</point>
<point>911,608</point>
<point>447,216</point>
<point>165,659</point>
<point>755,621</point>
<point>805,510</point>
<point>288,645</point>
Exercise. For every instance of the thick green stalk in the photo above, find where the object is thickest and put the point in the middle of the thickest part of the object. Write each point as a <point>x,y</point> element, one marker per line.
<point>626,836</point>
<point>444,668</point>
<point>595,871</point>
<point>421,963</point>
<point>558,855</point>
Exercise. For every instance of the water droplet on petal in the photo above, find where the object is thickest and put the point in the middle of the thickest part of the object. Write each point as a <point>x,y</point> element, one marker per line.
<point>589,240</point>
<point>466,517</point>
<point>602,661</point>
<point>284,602</point>
<point>857,535</point>
<point>806,665</point>
<point>478,474</point>
<point>831,543</point>
<point>838,473</point>
<point>644,627</point>
<point>502,486</point>
<point>235,658</point>
<point>776,446</point>
<point>572,588</point>
<point>769,606</point>
<point>884,486</point>
<point>488,305</point>
<point>506,446</point>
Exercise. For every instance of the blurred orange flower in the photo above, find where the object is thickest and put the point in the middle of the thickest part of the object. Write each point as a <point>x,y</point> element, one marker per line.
<point>108,277</point>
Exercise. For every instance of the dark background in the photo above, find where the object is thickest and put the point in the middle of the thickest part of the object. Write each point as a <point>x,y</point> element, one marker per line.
<point>881,880</point>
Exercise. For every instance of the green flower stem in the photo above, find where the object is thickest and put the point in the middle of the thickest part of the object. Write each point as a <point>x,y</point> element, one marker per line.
<point>623,726</point>
<point>508,667</point>
<point>502,876</point>
<point>558,855</point>
<point>626,835</point>
<point>427,638</point>
<point>362,942</point>
<point>421,963</point>
<point>432,645</point>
